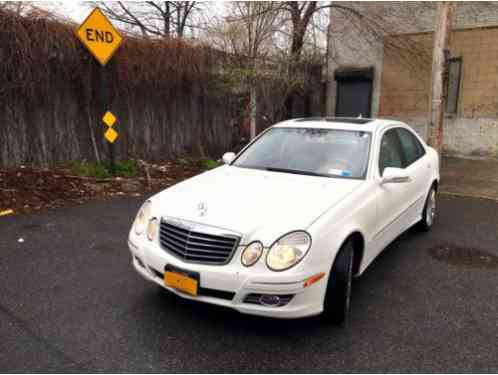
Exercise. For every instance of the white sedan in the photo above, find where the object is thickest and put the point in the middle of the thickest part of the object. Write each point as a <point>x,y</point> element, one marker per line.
<point>282,227</point>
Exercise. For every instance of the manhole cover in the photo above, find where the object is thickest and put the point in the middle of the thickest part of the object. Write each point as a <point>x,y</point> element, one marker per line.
<point>464,256</point>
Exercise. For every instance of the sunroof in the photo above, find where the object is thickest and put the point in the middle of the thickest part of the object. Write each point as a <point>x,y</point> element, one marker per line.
<point>350,120</point>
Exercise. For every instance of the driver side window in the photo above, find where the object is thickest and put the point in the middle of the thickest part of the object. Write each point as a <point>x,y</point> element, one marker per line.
<point>390,152</point>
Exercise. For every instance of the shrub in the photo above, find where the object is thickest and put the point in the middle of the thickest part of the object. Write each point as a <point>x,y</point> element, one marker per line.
<point>96,170</point>
<point>210,164</point>
<point>126,168</point>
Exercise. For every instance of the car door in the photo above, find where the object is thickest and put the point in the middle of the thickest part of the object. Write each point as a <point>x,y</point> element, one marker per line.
<point>393,199</point>
<point>418,167</point>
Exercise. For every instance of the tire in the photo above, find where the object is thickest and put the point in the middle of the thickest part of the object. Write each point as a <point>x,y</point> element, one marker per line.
<point>338,293</point>
<point>429,212</point>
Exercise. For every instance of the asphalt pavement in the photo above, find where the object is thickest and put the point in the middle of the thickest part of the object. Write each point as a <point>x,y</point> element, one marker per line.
<point>71,302</point>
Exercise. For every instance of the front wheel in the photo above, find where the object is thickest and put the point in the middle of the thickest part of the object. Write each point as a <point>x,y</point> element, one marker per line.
<point>338,294</point>
<point>429,213</point>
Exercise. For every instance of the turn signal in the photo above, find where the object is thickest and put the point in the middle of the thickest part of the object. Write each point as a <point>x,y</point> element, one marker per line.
<point>313,279</point>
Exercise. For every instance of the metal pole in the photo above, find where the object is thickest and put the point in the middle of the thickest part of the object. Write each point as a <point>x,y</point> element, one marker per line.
<point>105,107</point>
<point>439,78</point>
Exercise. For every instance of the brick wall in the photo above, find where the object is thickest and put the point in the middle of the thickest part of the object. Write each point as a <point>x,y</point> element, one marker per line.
<point>405,87</point>
<point>405,84</point>
<point>405,90</point>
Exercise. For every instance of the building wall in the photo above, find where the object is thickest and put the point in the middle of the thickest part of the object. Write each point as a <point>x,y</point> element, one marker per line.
<point>351,48</point>
<point>405,91</point>
<point>402,68</point>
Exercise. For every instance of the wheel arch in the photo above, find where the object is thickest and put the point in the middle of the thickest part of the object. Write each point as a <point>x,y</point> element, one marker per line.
<point>358,249</point>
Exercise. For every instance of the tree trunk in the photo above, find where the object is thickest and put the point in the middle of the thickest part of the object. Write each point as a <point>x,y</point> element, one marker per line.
<point>253,111</point>
<point>439,75</point>
<point>179,29</point>
<point>167,19</point>
<point>300,22</point>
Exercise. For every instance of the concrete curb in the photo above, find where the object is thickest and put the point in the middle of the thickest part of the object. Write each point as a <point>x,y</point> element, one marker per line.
<point>468,195</point>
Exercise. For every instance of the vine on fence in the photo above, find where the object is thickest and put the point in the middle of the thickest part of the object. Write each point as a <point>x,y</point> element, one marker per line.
<point>33,48</point>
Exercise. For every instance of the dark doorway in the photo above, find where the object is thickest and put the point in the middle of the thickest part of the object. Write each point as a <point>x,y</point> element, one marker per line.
<point>354,92</point>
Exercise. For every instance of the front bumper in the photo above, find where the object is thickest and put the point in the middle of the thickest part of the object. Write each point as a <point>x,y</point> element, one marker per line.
<point>230,284</point>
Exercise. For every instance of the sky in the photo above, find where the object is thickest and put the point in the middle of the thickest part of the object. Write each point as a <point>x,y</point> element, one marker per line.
<point>74,10</point>
<point>77,11</point>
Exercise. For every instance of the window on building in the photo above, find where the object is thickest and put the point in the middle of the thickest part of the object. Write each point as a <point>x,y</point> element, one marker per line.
<point>454,72</point>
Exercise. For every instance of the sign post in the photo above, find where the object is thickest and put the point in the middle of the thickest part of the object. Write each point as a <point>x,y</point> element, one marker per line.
<point>102,40</point>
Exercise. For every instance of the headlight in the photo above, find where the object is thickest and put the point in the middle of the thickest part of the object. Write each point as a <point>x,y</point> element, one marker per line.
<point>152,229</point>
<point>251,254</point>
<point>142,217</point>
<point>288,250</point>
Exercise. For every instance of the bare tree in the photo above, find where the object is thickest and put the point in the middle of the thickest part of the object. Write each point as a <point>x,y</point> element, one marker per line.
<point>373,21</point>
<point>161,19</point>
<point>24,8</point>
<point>18,7</point>
<point>245,33</point>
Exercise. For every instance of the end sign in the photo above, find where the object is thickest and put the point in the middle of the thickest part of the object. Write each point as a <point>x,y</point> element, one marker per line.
<point>99,36</point>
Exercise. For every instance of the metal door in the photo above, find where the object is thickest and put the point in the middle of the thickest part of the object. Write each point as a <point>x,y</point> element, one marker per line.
<point>354,93</point>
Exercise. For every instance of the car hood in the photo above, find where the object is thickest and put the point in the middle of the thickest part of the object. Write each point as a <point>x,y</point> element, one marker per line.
<point>258,204</point>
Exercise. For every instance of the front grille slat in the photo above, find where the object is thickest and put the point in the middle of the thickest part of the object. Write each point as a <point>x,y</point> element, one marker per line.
<point>199,245</point>
<point>172,249</point>
<point>180,237</point>
<point>207,251</point>
<point>196,246</point>
<point>223,241</point>
<point>175,235</point>
<point>196,256</point>
<point>173,241</point>
<point>197,239</point>
<point>174,227</point>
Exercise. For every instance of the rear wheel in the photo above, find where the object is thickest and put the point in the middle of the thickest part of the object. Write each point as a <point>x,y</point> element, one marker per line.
<point>338,294</point>
<point>430,210</point>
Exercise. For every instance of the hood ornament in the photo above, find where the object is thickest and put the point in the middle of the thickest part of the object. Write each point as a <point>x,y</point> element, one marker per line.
<point>202,207</point>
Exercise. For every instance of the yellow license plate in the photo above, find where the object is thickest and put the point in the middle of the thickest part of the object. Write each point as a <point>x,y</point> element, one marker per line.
<point>181,282</point>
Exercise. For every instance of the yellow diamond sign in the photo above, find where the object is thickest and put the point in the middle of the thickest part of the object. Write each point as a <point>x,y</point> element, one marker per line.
<point>99,36</point>
<point>111,135</point>
<point>109,119</point>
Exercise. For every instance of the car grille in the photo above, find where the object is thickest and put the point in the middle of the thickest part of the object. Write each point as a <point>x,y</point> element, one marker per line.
<point>196,246</point>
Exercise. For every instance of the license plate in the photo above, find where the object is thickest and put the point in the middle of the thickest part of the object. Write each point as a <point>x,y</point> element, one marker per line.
<point>181,282</point>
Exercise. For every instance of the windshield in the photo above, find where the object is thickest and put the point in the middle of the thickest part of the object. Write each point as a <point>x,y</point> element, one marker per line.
<point>318,152</point>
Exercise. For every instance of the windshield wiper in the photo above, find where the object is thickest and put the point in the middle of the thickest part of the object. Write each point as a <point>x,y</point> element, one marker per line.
<point>296,171</point>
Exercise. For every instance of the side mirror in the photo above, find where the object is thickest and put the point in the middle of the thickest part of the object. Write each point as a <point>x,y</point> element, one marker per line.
<point>394,176</point>
<point>228,157</point>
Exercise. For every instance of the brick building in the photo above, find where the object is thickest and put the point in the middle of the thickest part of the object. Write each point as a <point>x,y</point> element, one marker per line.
<point>389,74</point>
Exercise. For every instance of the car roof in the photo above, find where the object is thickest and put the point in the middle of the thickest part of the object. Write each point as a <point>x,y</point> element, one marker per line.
<point>344,123</point>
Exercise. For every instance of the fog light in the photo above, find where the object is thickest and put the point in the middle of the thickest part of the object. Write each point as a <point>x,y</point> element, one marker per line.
<point>269,300</point>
